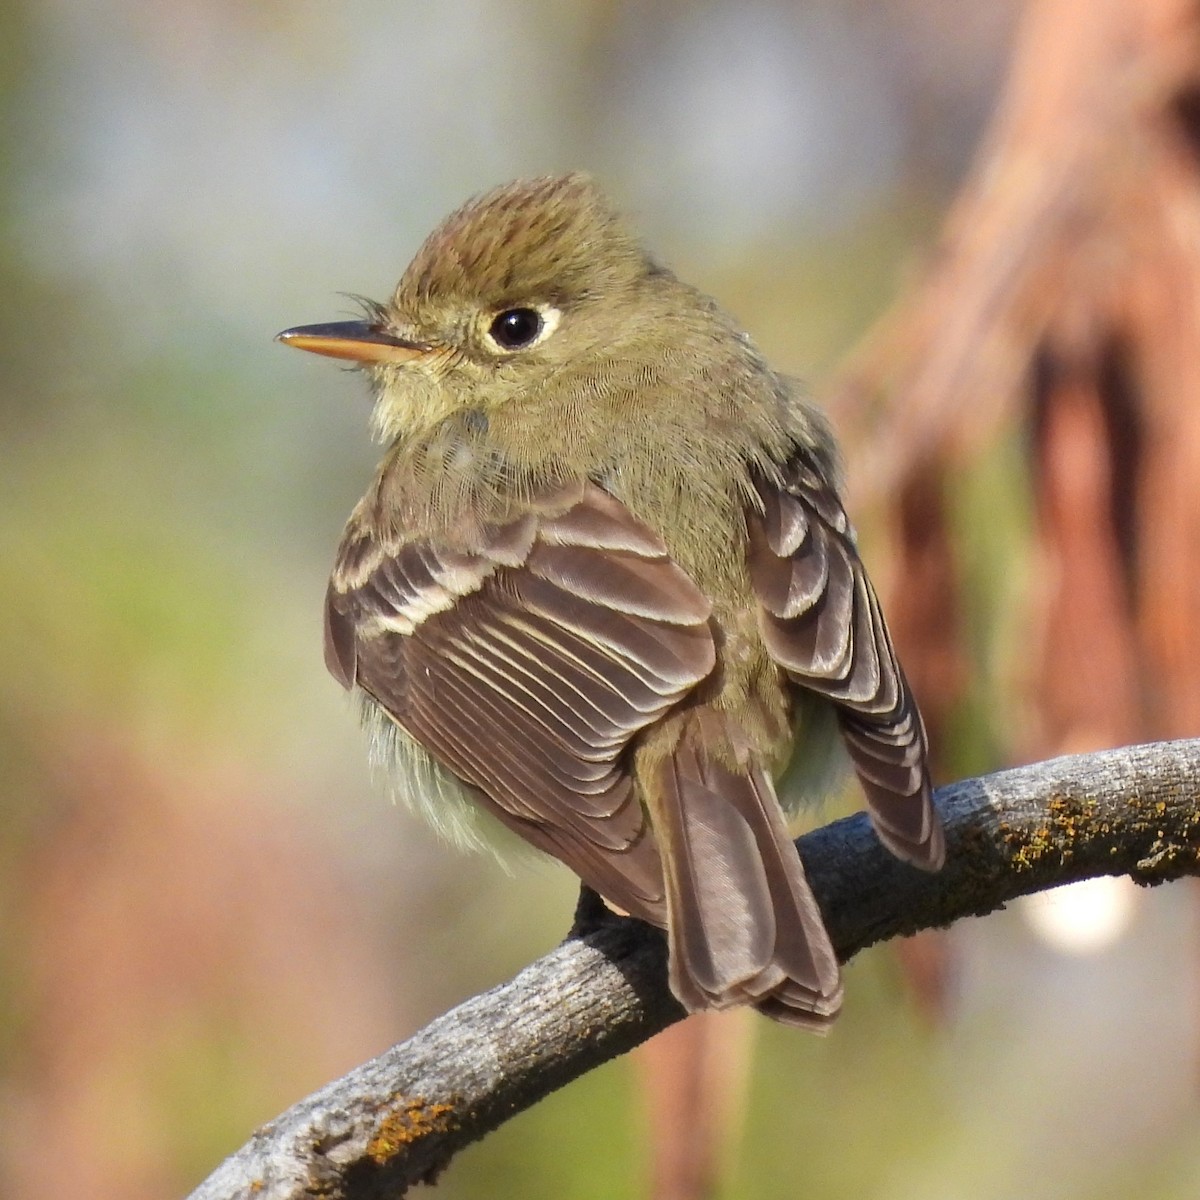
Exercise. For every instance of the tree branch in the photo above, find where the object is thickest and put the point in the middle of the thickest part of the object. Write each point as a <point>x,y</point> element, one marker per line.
<point>401,1117</point>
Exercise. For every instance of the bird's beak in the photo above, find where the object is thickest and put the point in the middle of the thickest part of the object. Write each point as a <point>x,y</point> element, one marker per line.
<point>358,341</point>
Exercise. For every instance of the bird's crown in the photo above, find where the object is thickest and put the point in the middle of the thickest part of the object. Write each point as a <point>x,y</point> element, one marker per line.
<point>555,238</point>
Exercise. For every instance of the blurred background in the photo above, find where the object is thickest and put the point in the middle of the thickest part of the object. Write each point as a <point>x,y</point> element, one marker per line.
<point>973,233</point>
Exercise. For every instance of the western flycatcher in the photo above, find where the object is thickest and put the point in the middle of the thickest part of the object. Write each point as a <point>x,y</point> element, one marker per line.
<point>603,585</point>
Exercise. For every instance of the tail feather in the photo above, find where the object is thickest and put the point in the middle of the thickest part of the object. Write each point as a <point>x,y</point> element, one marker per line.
<point>743,924</point>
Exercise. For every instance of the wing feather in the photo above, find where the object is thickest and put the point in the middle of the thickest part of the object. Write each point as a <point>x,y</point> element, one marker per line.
<point>525,659</point>
<point>821,621</point>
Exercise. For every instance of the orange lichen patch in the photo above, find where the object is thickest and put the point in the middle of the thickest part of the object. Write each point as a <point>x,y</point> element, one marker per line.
<point>1056,836</point>
<point>1175,849</point>
<point>1171,834</point>
<point>410,1121</point>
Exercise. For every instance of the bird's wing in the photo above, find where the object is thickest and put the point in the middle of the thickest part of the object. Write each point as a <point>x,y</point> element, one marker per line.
<point>526,662</point>
<point>821,621</point>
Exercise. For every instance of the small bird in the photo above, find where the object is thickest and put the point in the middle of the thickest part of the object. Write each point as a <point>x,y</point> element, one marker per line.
<point>603,586</point>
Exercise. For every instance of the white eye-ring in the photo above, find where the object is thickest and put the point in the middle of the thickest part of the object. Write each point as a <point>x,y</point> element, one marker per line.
<point>522,327</point>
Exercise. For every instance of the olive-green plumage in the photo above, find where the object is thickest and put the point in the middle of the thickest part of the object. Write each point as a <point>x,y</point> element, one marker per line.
<point>603,585</point>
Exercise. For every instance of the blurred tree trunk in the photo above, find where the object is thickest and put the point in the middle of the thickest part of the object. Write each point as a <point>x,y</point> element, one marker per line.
<point>693,1080</point>
<point>1063,301</point>
<point>1060,309</point>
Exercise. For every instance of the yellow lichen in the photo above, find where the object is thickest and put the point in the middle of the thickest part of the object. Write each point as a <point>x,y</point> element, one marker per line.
<point>1171,835</point>
<point>1055,836</point>
<point>412,1119</point>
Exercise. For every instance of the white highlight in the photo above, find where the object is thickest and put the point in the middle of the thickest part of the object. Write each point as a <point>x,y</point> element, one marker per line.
<point>1085,917</point>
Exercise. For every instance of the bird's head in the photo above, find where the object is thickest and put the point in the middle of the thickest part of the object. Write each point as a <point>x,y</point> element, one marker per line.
<point>524,283</point>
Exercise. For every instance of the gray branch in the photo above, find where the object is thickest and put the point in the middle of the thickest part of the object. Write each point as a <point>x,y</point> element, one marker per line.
<point>400,1118</point>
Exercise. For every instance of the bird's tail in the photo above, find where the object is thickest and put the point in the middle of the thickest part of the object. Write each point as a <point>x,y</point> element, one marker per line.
<point>743,925</point>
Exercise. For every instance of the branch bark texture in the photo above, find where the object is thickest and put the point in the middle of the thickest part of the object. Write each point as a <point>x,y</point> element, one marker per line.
<point>399,1119</point>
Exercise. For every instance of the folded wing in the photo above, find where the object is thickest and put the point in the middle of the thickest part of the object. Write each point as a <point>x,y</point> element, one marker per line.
<point>821,621</point>
<point>525,658</point>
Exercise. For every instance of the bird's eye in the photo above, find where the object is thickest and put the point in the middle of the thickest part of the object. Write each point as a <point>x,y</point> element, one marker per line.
<point>515,328</point>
